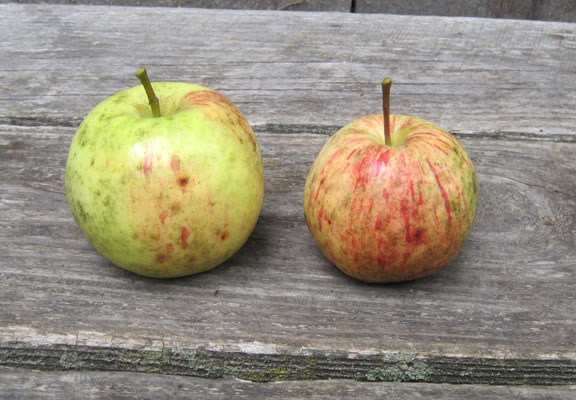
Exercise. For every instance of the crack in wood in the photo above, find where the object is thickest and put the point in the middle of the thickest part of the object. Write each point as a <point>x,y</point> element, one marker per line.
<point>533,185</point>
<point>40,121</point>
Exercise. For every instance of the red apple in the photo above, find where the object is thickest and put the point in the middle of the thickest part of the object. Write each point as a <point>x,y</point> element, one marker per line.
<point>390,198</point>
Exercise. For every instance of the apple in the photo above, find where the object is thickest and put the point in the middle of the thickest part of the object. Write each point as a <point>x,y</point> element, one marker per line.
<point>165,186</point>
<point>390,198</point>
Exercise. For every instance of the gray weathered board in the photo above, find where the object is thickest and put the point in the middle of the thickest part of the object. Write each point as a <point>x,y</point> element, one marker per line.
<point>547,10</point>
<point>284,5</point>
<point>503,312</point>
<point>26,384</point>
<point>544,10</point>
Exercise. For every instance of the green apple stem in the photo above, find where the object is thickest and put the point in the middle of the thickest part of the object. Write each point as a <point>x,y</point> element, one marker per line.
<point>152,99</point>
<point>386,83</point>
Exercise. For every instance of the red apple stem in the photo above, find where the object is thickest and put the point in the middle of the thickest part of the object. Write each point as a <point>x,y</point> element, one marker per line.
<point>152,99</point>
<point>386,83</point>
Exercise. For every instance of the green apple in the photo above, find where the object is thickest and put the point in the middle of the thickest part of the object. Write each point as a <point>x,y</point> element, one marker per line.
<point>165,186</point>
<point>391,197</point>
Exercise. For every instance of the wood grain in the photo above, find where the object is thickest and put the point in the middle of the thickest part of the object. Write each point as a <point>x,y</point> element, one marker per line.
<point>546,10</point>
<point>289,5</point>
<point>466,75</point>
<point>503,312</point>
<point>509,294</point>
<point>18,384</point>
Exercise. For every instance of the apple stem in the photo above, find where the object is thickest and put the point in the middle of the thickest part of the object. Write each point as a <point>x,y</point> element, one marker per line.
<point>152,99</point>
<point>386,83</point>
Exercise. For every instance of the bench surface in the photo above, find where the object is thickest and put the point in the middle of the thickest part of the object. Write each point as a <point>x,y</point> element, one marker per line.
<point>503,312</point>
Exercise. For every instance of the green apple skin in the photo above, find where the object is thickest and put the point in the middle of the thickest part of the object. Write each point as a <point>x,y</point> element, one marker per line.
<point>169,196</point>
<point>391,213</point>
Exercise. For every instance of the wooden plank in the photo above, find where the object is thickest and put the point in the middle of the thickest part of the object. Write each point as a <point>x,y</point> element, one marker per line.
<point>544,10</point>
<point>471,8</point>
<point>466,75</point>
<point>18,384</point>
<point>555,10</point>
<point>508,295</point>
<point>288,5</point>
<point>503,312</point>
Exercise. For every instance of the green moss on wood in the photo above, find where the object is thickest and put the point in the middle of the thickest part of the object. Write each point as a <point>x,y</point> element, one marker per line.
<point>69,360</point>
<point>399,367</point>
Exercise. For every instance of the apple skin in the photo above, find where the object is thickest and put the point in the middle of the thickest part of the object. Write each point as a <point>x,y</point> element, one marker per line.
<point>391,213</point>
<point>169,196</point>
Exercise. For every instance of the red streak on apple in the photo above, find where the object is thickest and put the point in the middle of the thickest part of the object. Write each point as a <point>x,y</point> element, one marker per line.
<point>442,191</point>
<point>385,194</point>
<point>175,164</point>
<point>184,235</point>
<point>439,148</point>
<point>383,159</point>
<point>406,216</point>
<point>351,153</point>
<point>210,100</point>
<point>412,191</point>
<point>318,190</point>
<point>148,159</point>
<point>320,218</point>
<point>206,98</point>
<point>378,224</point>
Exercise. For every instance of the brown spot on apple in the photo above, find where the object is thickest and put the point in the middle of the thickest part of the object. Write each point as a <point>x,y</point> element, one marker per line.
<point>164,256</point>
<point>183,181</point>
<point>417,235</point>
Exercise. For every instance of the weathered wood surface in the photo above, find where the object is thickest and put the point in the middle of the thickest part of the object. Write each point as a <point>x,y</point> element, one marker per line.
<point>545,10</point>
<point>26,384</point>
<point>504,312</point>
<point>498,77</point>
<point>287,5</point>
